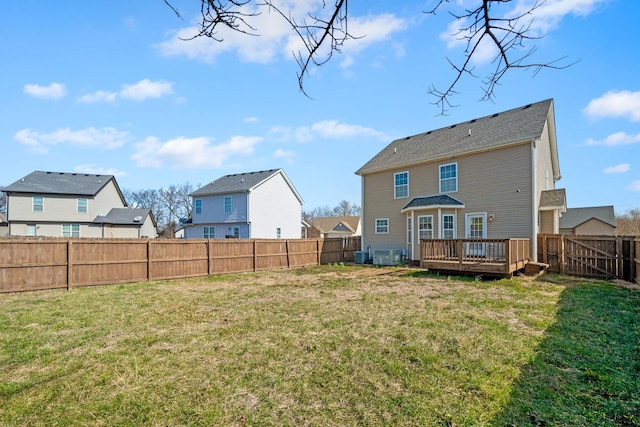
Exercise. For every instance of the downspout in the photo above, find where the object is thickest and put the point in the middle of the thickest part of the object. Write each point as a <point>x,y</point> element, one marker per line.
<point>363,222</point>
<point>534,207</point>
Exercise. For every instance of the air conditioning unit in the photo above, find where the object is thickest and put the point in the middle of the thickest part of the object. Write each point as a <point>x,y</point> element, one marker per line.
<point>361,257</point>
<point>387,256</point>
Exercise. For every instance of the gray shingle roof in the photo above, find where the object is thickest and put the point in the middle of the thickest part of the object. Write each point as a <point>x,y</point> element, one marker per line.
<point>573,217</point>
<point>433,201</point>
<point>327,224</point>
<point>512,126</point>
<point>241,183</point>
<point>123,216</point>
<point>553,199</point>
<point>77,184</point>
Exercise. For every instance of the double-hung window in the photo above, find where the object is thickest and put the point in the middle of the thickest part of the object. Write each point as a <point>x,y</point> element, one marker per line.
<point>401,185</point>
<point>425,227</point>
<point>209,232</point>
<point>448,227</point>
<point>198,206</point>
<point>382,226</point>
<point>82,205</point>
<point>227,204</point>
<point>70,230</point>
<point>278,233</point>
<point>37,204</point>
<point>449,178</point>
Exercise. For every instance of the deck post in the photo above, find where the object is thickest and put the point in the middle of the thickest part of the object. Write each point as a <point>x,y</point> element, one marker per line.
<point>507,258</point>
<point>460,257</point>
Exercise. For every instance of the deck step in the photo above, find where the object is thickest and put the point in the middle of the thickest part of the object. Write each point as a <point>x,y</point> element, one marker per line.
<point>535,268</point>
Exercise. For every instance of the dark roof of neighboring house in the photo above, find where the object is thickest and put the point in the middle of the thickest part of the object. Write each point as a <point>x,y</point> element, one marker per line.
<point>343,224</point>
<point>241,183</point>
<point>433,201</point>
<point>500,129</point>
<point>77,184</point>
<point>124,216</point>
<point>553,199</point>
<point>573,217</point>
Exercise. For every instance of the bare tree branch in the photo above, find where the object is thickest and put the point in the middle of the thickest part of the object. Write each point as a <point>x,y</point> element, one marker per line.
<point>507,34</point>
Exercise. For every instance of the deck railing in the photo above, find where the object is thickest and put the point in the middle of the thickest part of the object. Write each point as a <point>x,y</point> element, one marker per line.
<point>497,255</point>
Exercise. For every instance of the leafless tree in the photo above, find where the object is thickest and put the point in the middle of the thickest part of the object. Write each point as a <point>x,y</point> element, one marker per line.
<point>344,208</point>
<point>177,205</point>
<point>325,33</point>
<point>3,202</point>
<point>629,223</point>
<point>147,199</point>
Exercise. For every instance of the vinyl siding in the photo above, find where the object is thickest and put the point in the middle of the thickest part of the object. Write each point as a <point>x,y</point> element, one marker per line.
<point>213,209</point>
<point>547,225</point>
<point>595,227</point>
<point>272,205</point>
<point>544,168</point>
<point>496,182</point>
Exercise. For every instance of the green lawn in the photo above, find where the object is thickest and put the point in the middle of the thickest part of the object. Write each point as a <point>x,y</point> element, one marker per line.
<point>323,346</point>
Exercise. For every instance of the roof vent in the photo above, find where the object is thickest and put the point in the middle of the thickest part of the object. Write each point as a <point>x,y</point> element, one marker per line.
<point>495,115</point>
<point>452,126</point>
<point>526,106</point>
<point>407,137</point>
<point>473,121</point>
<point>137,219</point>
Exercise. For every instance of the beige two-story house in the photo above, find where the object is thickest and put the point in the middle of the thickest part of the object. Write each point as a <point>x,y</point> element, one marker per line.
<point>59,204</point>
<point>489,177</point>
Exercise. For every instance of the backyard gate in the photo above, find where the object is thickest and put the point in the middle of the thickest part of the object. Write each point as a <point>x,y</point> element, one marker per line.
<point>607,257</point>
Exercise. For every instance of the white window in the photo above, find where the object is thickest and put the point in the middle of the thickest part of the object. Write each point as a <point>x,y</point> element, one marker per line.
<point>236,232</point>
<point>31,230</point>
<point>198,203</point>
<point>449,178</point>
<point>425,227</point>
<point>278,233</point>
<point>209,232</point>
<point>227,204</point>
<point>38,204</point>
<point>82,205</point>
<point>382,226</point>
<point>448,227</point>
<point>401,185</point>
<point>70,230</point>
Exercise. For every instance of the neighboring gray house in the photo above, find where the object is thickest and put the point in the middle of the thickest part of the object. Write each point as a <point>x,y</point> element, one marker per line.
<point>63,204</point>
<point>263,205</point>
<point>589,221</point>
<point>491,177</point>
<point>4,225</point>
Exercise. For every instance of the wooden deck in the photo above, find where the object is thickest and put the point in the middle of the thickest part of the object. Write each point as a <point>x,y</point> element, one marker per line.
<point>475,256</point>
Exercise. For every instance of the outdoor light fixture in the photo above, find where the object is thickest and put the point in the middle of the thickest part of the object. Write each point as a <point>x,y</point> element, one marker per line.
<point>491,218</point>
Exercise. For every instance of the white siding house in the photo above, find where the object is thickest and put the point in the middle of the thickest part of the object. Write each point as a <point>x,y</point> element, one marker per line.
<point>259,205</point>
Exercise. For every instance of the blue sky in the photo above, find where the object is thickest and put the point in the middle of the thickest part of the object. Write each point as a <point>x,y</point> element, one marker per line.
<point>107,87</point>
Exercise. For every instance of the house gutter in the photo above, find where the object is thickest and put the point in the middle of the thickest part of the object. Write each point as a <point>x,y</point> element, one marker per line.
<point>534,212</point>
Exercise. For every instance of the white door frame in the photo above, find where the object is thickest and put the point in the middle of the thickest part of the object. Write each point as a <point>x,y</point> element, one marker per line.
<point>475,248</point>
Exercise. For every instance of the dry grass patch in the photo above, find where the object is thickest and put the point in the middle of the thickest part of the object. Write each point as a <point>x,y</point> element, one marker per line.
<point>329,345</point>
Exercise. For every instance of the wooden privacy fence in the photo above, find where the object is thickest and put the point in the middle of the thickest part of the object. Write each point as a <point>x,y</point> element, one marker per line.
<point>28,264</point>
<point>609,257</point>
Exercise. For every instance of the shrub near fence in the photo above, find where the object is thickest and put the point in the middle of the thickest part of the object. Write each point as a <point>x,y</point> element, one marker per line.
<point>28,264</point>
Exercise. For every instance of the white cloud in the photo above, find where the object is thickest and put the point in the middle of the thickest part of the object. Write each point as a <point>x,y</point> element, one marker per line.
<point>98,96</point>
<point>53,91</point>
<point>622,103</point>
<point>634,186</point>
<point>334,129</point>
<point>250,119</point>
<point>284,154</point>
<point>615,139</point>
<point>621,168</point>
<point>190,153</point>
<point>93,169</point>
<point>105,138</point>
<point>549,13</point>
<point>331,129</point>
<point>145,89</point>
<point>276,38</point>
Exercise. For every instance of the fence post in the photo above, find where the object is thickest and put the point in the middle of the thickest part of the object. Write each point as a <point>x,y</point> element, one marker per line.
<point>255,255</point>
<point>460,247</point>
<point>507,250</point>
<point>286,242</point>
<point>318,250</point>
<point>69,263</point>
<point>148,260</point>
<point>209,257</point>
